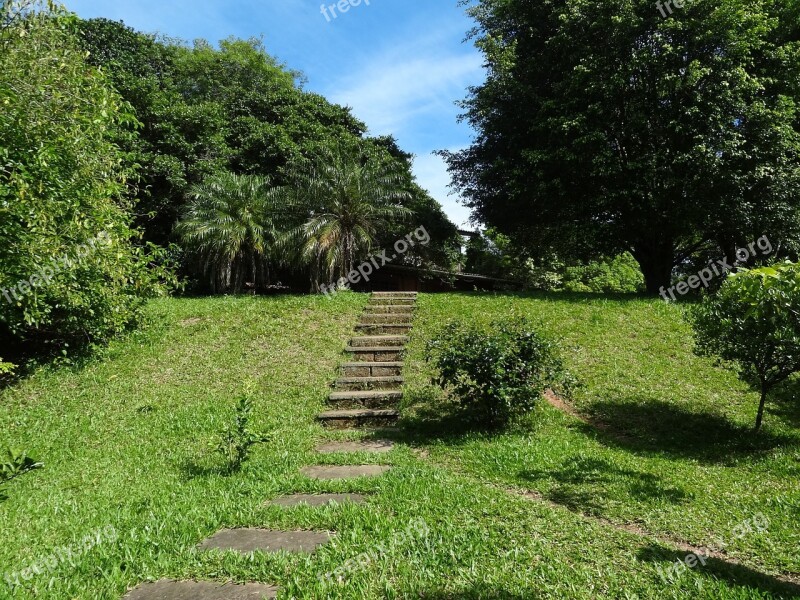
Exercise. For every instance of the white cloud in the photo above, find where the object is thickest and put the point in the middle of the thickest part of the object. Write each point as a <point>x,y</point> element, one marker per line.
<point>431,172</point>
<point>389,96</point>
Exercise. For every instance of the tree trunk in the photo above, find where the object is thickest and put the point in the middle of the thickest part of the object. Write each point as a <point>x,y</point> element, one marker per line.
<point>761,405</point>
<point>656,262</point>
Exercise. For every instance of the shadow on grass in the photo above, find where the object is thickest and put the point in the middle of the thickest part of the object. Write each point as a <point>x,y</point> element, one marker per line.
<point>600,473</point>
<point>657,427</point>
<point>428,418</point>
<point>195,470</point>
<point>784,403</point>
<point>725,570</point>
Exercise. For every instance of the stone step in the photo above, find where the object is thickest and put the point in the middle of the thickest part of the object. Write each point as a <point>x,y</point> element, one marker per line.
<point>406,302</point>
<point>371,400</point>
<point>372,369</point>
<point>388,318</point>
<point>379,341</point>
<point>248,540</point>
<point>368,383</point>
<point>390,309</point>
<point>167,589</point>
<point>347,419</point>
<point>325,472</point>
<point>375,354</point>
<point>394,294</point>
<point>383,328</point>
<point>373,446</point>
<point>316,500</point>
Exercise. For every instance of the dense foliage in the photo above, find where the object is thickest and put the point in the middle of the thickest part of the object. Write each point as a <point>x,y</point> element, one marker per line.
<point>349,197</point>
<point>618,275</point>
<point>71,268</point>
<point>497,372</point>
<point>754,322</point>
<point>496,255</point>
<point>211,112</point>
<point>605,127</point>
<point>229,227</point>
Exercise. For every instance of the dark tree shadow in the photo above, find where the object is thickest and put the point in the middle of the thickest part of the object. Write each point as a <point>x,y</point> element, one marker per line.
<point>784,403</point>
<point>735,574</point>
<point>598,472</point>
<point>651,426</point>
<point>427,418</point>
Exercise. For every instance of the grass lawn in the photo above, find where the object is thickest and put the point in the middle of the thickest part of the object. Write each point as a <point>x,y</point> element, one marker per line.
<point>125,441</point>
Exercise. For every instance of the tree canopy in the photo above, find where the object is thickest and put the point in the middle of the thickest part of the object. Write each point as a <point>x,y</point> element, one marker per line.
<point>605,127</point>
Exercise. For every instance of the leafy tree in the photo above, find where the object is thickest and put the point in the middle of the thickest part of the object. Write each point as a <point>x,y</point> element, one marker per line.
<point>206,111</point>
<point>754,322</point>
<point>605,127</point>
<point>350,197</point>
<point>70,266</point>
<point>229,226</point>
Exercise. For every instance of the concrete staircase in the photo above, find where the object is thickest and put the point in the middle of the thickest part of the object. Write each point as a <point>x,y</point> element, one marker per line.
<point>369,391</point>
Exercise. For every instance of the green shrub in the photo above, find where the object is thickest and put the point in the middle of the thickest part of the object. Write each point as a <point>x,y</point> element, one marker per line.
<point>754,322</point>
<point>496,373</point>
<point>619,275</point>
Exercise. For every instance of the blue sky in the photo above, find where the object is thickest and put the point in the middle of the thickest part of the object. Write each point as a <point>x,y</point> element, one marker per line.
<point>400,64</point>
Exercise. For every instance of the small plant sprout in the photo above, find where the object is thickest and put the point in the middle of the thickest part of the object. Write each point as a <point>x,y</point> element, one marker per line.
<point>237,440</point>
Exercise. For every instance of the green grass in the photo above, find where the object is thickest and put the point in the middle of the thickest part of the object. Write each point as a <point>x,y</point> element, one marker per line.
<point>125,441</point>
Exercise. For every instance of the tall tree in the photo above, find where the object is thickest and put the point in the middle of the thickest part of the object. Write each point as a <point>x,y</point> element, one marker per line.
<point>607,126</point>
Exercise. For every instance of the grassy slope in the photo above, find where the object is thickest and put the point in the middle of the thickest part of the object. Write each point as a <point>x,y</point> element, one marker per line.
<point>125,439</point>
<point>678,458</point>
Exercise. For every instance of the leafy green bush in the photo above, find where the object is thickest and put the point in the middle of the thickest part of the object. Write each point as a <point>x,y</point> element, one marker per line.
<point>754,322</point>
<point>497,373</point>
<point>237,440</point>
<point>71,268</point>
<point>619,275</point>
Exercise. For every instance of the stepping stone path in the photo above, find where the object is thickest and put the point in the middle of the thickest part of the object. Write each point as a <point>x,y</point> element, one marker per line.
<point>246,541</point>
<point>201,590</point>
<point>368,394</point>
<point>316,500</point>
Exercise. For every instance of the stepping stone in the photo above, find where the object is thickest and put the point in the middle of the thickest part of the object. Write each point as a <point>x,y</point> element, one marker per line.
<point>246,541</point>
<point>383,328</point>
<point>355,384</point>
<point>380,446</point>
<point>349,472</point>
<point>200,590</point>
<point>370,399</point>
<point>346,419</point>
<point>387,318</point>
<point>372,369</point>
<point>317,500</point>
<point>379,341</point>
<point>375,354</point>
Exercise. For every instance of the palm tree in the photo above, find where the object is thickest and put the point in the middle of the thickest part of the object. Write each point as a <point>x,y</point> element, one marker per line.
<point>228,225</point>
<point>349,199</point>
